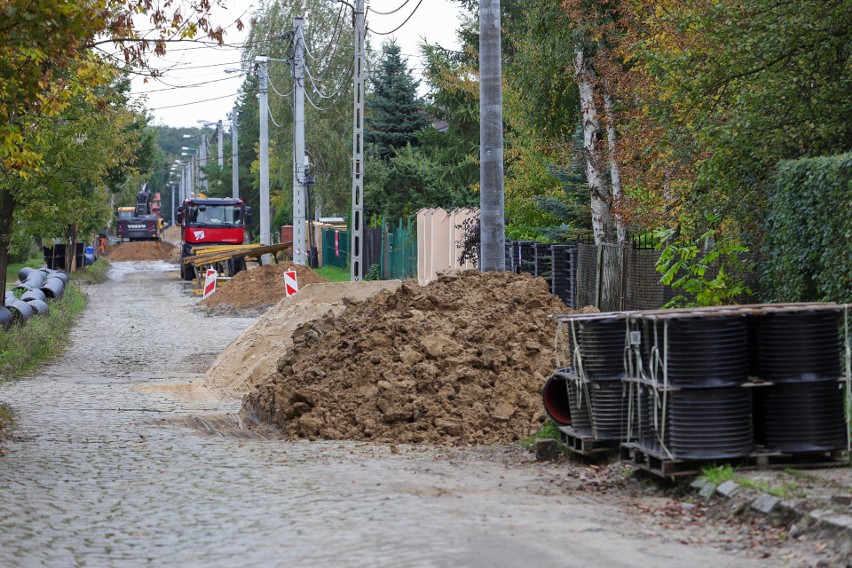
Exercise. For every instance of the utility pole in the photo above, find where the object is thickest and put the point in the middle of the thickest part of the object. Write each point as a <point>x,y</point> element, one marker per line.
<point>221,138</point>
<point>356,244</point>
<point>299,143</point>
<point>492,256</point>
<point>173,204</point>
<point>262,62</point>
<point>235,168</point>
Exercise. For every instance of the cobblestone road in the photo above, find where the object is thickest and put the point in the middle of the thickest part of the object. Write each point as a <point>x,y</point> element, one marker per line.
<point>101,473</point>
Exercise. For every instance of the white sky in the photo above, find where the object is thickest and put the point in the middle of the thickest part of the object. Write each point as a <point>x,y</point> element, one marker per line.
<point>200,71</point>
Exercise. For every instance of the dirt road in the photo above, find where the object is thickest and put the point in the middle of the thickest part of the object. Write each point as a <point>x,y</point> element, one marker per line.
<point>103,469</point>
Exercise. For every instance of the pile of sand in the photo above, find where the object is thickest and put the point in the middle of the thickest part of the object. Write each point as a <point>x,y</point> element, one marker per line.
<point>259,287</point>
<point>253,355</point>
<point>143,250</point>
<point>460,361</point>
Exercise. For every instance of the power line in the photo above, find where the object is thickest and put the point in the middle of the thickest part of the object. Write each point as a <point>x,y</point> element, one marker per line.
<point>402,24</point>
<point>195,102</point>
<point>394,11</point>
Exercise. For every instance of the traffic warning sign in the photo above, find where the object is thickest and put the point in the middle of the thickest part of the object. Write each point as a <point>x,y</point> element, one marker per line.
<point>291,286</point>
<point>209,282</point>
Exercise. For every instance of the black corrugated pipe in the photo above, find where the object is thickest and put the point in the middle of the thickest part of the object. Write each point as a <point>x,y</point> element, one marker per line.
<point>40,307</point>
<point>57,274</point>
<point>35,279</point>
<point>6,317</point>
<point>31,295</point>
<point>21,310</point>
<point>53,288</point>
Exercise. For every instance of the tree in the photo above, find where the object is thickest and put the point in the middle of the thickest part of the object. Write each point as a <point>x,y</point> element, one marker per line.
<point>394,114</point>
<point>48,60</point>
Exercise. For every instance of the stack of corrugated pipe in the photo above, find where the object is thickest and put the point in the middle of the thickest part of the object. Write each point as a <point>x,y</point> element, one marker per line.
<point>707,383</point>
<point>35,288</point>
<point>797,351</point>
<point>590,395</point>
<point>689,368</point>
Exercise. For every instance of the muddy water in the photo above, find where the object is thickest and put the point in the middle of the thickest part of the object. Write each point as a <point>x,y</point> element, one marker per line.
<point>104,470</point>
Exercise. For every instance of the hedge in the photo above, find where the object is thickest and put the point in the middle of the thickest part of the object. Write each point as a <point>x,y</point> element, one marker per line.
<point>808,246</point>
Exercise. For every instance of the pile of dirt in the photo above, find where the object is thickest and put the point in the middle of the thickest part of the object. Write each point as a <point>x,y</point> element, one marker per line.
<point>460,361</point>
<point>143,250</point>
<point>259,287</point>
<point>253,356</point>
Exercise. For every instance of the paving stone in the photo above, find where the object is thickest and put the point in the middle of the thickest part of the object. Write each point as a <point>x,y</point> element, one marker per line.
<point>765,503</point>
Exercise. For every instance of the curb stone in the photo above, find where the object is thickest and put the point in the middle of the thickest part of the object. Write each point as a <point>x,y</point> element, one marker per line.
<point>824,523</point>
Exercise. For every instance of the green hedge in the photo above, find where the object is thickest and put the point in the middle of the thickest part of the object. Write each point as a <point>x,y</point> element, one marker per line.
<point>808,246</point>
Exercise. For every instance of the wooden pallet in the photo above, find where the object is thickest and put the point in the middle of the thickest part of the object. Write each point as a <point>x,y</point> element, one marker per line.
<point>663,466</point>
<point>586,445</point>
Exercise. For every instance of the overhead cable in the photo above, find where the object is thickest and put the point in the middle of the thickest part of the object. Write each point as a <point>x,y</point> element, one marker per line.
<point>399,26</point>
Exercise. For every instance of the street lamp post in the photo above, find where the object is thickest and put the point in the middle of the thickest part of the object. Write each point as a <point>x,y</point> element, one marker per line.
<point>235,168</point>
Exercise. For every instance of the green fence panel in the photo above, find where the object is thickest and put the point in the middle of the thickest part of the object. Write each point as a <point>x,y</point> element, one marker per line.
<point>335,248</point>
<point>402,253</point>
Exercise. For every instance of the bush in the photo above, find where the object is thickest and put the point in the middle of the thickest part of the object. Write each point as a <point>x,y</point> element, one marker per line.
<point>809,231</point>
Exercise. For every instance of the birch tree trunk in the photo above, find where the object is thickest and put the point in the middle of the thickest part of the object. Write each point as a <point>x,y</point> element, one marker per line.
<point>602,222</point>
<point>614,168</point>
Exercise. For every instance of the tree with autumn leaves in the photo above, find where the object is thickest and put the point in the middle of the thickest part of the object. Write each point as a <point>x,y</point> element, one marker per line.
<point>57,107</point>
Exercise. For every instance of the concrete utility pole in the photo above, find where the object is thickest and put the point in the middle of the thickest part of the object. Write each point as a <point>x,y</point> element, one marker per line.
<point>492,255</point>
<point>299,143</point>
<point>356,243</point>
<point>173,204</point>
<point>235,167</point>
<point>220,143</point>
<point>262,62</point>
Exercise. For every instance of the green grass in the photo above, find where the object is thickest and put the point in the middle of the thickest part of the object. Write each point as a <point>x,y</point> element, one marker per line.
<point>548,431</point>
<point>334,274</point>
<point>95,273</point>
<point>25,347</point>
<point>718,474</point>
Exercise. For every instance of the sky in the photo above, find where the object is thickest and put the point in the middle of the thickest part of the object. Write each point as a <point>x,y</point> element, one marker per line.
<point>207,93</point>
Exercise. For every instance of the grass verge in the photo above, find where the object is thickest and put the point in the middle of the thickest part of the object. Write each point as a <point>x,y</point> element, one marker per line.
<point>334,274</point>
<point>95,273</point>
<point>25,347</point>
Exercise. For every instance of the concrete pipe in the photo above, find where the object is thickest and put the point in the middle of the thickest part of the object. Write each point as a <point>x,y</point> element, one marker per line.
<point>40,307</point>
<point>31,295</point>
<point>53,288</point>
<point>6,317</point>
<point>555,398</point>
<point>21,310</point>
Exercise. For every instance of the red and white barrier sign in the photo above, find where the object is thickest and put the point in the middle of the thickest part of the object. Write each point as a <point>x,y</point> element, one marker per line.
<point>291,286</point>
<point>209,283</point>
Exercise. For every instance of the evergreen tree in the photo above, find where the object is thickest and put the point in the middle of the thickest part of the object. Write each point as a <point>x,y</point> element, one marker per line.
<point>394,112</point>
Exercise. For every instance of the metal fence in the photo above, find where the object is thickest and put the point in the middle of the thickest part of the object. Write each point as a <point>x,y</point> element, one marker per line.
<point>396,255</point>
<point>402,253</point>
<point>625,277</point>
<point>335,248</point>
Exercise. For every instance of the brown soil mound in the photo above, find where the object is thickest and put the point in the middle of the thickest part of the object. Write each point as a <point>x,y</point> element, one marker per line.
<point>253,356</point>
<point>143,250</point>
<point>260,287</point>
<point>461,361</point>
